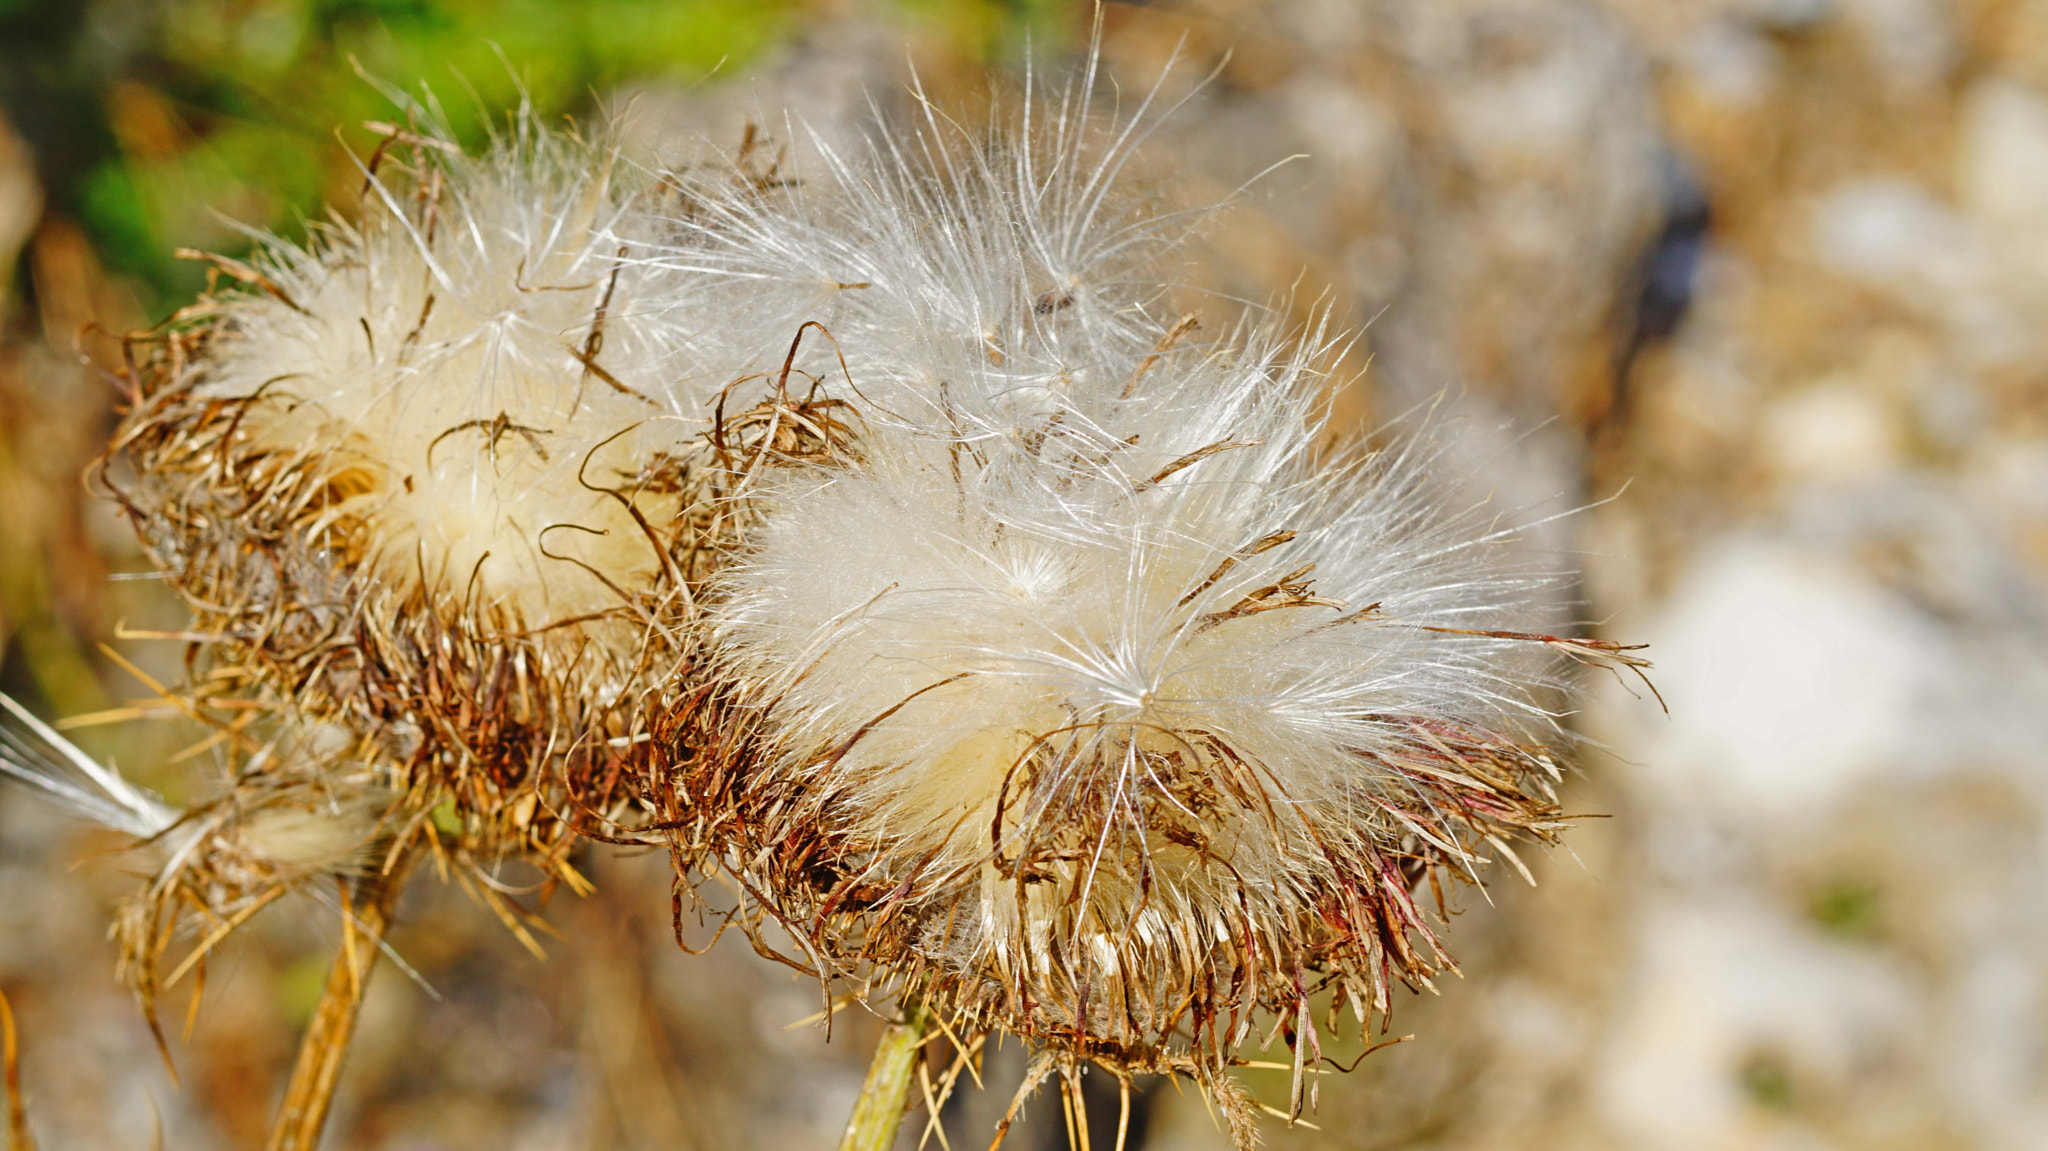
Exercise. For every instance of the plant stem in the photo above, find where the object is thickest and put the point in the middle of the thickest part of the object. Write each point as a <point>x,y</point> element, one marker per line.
<point>324,1048</point>
<point>882,1098</point>
<point>17,1108</point>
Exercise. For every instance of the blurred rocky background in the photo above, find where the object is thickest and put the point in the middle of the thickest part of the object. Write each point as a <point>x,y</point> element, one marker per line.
<point>1761,284</point>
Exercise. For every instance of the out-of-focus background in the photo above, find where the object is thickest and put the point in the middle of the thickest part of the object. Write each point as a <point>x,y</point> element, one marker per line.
<point>1764,281</point>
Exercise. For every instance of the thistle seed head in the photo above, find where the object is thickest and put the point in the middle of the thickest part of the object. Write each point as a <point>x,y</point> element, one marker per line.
<point>1093,699</point>
<point>438,481</point>
<point>1103,741</point>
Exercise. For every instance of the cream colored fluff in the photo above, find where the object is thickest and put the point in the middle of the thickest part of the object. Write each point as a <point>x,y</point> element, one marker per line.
<point>486,382</point>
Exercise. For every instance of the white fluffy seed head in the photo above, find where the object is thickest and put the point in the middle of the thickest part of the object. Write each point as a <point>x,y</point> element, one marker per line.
<point>1095,698</point>
<point>439,478</point>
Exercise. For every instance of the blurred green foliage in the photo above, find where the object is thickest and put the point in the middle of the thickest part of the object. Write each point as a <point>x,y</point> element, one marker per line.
<point>1767,1081</point>
<point>1848,908</point>
<point>157,122</point>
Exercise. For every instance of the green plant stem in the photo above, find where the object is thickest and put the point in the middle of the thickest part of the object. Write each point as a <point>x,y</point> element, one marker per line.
<point>879,1110</point>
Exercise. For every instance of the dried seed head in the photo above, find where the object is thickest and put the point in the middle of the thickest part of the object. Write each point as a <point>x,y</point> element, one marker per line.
<point>438,481</point>
<point>1093,700</point>
<point>1102,741</point>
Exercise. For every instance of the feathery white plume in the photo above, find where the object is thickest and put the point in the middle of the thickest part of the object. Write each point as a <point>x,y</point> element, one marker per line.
<point>36,754</point>
<point>277,838</point>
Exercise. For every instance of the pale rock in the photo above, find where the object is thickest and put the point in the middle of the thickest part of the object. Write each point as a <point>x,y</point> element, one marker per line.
<point>1717,980</point>
<point>780,1020</point>
<point>1983,282</point>
<point>824,88</point>
<point>1330,23</point>
<point>1352,132</point>
<point>1913,42</point>
<point>1835,431</point>
<point>1376,266</point>
<point>1885,231</point>
<point>1729,63</point>
<point>2010,473</point>
<point>1950,410</point>
<point>1552,102</point>
<point>2002,166</point>
<point>1536,1026</point>
<point>1791,680</point>
<point>1991,1024</point>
